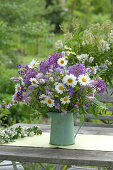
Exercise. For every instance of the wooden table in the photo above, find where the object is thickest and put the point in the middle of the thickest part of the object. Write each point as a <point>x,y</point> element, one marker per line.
<point>61,156</point>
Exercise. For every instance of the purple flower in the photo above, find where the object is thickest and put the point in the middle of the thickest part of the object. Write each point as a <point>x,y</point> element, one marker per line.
<point>0,106</point>
<point>30,74</point>
<point>53,58</point>
<point>23,70</point>
<point>18,66</point>
<point>19,95</point>
<point>44,66</point>
<point>77,69</point>
<point>31,89</point>
<point>70,91</point>
<point>9,105</point>
<point>63,112</point>
<point>26,98</point>
<point>57,105</point>
<point>100,86</point>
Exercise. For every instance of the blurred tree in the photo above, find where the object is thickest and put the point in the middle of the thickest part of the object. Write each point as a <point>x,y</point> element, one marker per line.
<point>88,11</point>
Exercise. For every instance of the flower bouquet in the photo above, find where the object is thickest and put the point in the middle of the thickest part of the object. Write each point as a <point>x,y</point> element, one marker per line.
<point>53,87</point>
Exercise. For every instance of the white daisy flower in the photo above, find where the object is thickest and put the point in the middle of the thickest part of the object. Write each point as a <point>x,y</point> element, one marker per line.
<point>68,52</point>
<point>49,102</point>
<point>62,62</point>
<point>79,57</point>
<point>48,73</point>
<point>59,88</point>
<point>21,79</point>
<point>70,80</point>
<point>51,79</point>
<point>65,100</point>
<point>84,79</point>
<point>66,47</point>
<point>34,82</point>
<point>73,53</point>
<point>43,98</point>
<point>33,63</point>
<point>17,88</point>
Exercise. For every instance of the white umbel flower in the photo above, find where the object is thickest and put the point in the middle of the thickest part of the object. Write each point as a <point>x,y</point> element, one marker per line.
<point>17,88</point>
<point>59,88</point>
<point>84,80</point>
<point>33,63</point>
<point>70,80</point>
<point>34,82</point>
<point>49,102</point>
<point>110,37</point>
<point>62,62</point>
<point>43,98</point>
<point>103,46</point>
<point>65,100</point>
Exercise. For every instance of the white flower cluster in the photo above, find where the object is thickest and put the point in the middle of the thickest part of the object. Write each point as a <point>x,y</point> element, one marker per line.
<point>82,57</point>
<point>103,46</point>
<point>110,37</point>
<point>59,44</point>
<point>9,135</point>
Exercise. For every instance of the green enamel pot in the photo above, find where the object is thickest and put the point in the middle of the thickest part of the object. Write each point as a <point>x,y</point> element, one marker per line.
<point>62,129</point>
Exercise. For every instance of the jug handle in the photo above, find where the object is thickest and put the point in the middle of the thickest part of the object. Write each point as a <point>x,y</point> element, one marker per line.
<point>81,124</point>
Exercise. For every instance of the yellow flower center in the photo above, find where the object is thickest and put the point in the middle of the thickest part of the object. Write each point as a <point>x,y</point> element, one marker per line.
<point>18,88</point>
<point>69,80</point>
<point>62,61</point>
<point>66,99</point>
<point>68,51</point>
<point>49,101</point>
<point>48,74</point>
<point>60,88</point>
<point>43,98</point>
<point>33,65</point>
<point>34,82</point>
<point>84,79</point>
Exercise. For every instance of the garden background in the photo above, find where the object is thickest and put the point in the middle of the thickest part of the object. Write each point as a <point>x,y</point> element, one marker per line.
<point>29,30</point>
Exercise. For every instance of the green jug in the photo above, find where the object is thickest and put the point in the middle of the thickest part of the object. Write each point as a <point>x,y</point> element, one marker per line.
<point>62,129</point>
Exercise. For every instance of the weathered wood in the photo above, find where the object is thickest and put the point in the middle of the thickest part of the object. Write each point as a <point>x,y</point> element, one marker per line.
<point>57,156</point>
<point>61,156</point>
<point>83,130</point>
<point>105,98</point>
<point>101,117</point>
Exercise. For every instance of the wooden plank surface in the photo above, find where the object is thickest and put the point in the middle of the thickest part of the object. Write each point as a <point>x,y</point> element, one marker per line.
<point>60,156</point>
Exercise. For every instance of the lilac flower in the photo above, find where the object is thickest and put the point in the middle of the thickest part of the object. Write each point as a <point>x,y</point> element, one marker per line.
<point>44,66</point>
<point>30,89</point>
<point>100,86</point>
<point>16,79</point>
<point>9,105</point>
<point>0,106</point>
<point>30,74</point>
<point>26,98</point>
<point>14,99</point>
<point>77,69</point>
<point>53,58</point>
